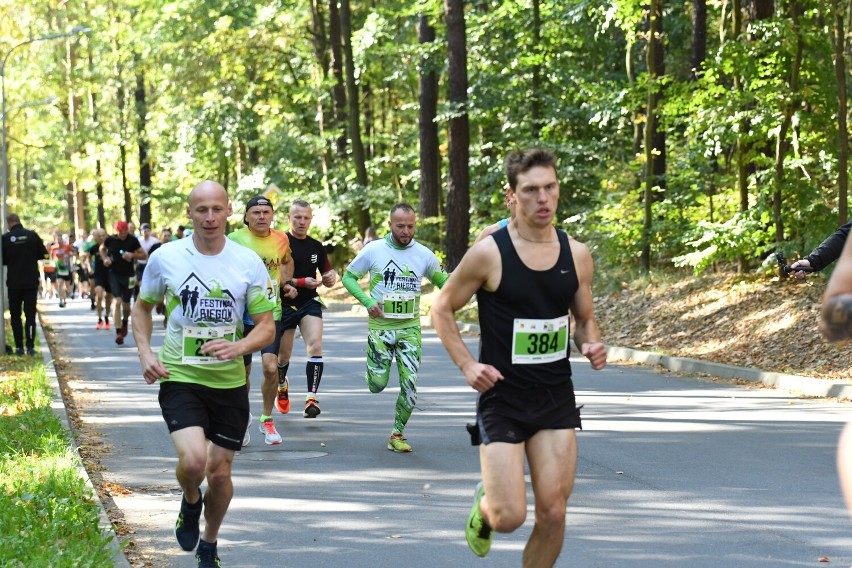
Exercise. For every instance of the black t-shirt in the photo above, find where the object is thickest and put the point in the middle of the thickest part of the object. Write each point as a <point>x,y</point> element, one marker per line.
<point>22,249</point>
<point>309,257</point>
<point>114,249</point>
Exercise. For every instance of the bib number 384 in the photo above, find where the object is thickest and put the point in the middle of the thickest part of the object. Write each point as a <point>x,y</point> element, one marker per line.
<point>539,341</point>
<point>195,337</point>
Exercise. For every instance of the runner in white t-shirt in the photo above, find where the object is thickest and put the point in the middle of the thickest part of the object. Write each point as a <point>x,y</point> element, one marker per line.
<point>397,266</point>
<point>206,282</point>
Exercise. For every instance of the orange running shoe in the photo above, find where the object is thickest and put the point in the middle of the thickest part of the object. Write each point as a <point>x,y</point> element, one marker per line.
<point>283,401</point>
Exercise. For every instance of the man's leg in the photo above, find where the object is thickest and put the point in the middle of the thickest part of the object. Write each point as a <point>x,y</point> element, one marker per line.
<point>269,387</point>
<point>504,506</point>
<point>16,300</point>
<point>311,328</point>
<point>552,456</point>
<point>191,447</point>
<point>844,464</point>
<point>408,354</point>
<point>285,350</point>
<point>220,490</point>
<point>30,300</point>
<point>380,352</point>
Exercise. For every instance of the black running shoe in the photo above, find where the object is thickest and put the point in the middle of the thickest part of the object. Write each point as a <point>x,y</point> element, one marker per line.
<point>206,556</point>
<point>186,527</point>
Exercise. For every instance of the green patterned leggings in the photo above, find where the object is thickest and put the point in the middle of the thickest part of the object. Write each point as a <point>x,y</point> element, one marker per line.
<point>382,346</point>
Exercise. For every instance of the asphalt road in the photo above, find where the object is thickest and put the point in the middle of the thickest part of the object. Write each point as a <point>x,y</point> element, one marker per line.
<point>673,471</point>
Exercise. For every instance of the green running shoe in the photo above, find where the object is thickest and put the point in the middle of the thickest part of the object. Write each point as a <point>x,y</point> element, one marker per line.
<point>398,444</point>
<point>479,535</point>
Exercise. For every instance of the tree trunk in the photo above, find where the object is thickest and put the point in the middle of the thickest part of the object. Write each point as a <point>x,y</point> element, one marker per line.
<point>358,155</point>
<point>430,165</point>
<point>699,36</point>
<point>338,91</point>
<point>535,99</point>
<point>458,187</point>
<point>75,198</point>
<point>842,109</point>
<point>93,112</point>
<point>655,141</point>
<point>782,145</point>
<point>142,144</point>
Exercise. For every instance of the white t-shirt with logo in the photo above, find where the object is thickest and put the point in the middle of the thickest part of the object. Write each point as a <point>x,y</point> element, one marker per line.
<point>205,296</point>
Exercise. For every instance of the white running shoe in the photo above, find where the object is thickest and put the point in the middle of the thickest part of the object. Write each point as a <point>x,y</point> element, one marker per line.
<point>270,434</point>
<point>247,437</point>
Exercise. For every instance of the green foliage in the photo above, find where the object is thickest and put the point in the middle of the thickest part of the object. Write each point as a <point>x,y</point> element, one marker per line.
<point>49,515</point>
<point>242,92</point>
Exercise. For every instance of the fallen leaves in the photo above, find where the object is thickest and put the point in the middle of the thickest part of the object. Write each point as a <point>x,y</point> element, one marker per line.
<point>751,322</point>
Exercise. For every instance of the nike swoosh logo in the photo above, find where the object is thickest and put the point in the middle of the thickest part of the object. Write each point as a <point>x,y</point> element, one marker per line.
<point>565,271</point>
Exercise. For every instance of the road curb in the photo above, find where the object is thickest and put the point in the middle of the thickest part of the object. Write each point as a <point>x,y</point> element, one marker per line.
<point>808,386</point>
<point>57,404</point>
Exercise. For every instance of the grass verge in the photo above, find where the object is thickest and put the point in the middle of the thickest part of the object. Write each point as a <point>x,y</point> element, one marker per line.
<point>49,516</point>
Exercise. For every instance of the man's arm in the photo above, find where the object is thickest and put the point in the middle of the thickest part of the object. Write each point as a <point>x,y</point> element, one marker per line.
<point>587,336</point>
<point>826,253</point>
<point>285,274</point>
<point>836,322</point>
<point>470,275</point>
<point>141,321</point>
<point>329,278</point>
<point>350,282</point>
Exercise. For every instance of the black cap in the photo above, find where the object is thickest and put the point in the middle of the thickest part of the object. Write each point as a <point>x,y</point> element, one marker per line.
<point>255,201</point>
<point>258,200</point>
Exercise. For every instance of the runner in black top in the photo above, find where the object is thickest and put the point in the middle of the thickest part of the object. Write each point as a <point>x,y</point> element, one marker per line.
<point>305,310</point>
<point>528,277</point>
<point>118,253</point>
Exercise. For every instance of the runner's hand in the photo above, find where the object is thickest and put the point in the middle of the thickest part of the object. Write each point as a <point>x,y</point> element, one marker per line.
<point>290,291</point>
<point>152,368</point>
<point>481,377</point>
<point>222,349</point>
<point>595,353</point>
<point>375,312</point>
<point>796,268</point>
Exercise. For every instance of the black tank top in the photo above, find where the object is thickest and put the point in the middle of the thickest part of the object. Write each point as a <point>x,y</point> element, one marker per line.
<point>528,294</point>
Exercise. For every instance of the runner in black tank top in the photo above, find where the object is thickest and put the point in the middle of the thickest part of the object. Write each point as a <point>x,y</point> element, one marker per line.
<point>545,294</point>
<point>527,278</point>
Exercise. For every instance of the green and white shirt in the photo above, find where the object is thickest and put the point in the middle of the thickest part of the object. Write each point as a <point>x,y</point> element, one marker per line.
<point>396,276</point>
<point>205,296</point>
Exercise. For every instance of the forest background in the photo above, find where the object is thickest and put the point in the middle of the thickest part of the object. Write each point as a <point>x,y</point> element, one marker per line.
<point>691,135</point>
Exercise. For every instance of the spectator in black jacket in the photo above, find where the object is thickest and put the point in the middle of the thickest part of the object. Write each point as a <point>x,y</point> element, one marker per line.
<point>22,249</point>
<point>825,253</point>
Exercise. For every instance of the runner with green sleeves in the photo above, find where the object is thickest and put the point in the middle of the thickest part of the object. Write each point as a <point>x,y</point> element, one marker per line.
<point>397,266</point>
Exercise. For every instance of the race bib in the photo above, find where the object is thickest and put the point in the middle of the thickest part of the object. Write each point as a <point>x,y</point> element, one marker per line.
<point>398,305</point>
<point>539,340</point>
<point>195,337</point>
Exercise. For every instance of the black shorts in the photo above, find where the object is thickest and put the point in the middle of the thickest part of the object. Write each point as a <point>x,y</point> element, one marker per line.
<point>120,286</point>
<point>223,413</point>
<point>50,276</point>
<point>512,415</point>
<point>67,277</point>
<point>271,348</point>
<point>102,280</point>
<point>291,316</point>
